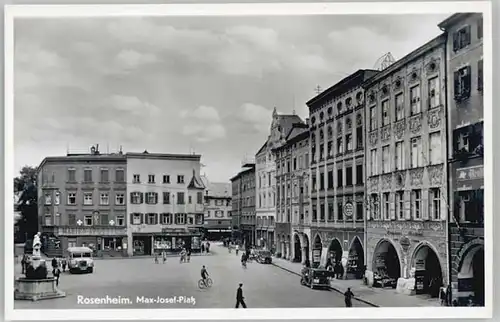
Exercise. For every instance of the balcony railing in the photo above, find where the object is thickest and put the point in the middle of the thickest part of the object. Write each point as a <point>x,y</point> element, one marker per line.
<point>86,230</point>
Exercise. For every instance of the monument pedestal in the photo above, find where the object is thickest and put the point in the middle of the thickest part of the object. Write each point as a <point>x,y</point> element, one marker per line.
<point>36,289</point>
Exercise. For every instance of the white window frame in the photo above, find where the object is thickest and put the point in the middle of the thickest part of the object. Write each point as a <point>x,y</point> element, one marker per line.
<point>104,199</point>
<point>166,219</point>
<point>151,198</point>
<point>399,155</point>
<point>149,216</point>
<point>387,205</point>
<point>416,204</point>
<point>386,159</point>
<point>434,98</point>
<point>48,198</point>
<point>57,197</point>
<point>400,204</point>
<point>435,153</point>
<point>386,115</point>
<point>400,107</point>
<point>180,219</point>
<point>88,201</point>
<point>180,179</point>
<point>48,220</point>
<point>435,204</point>
<point>416,152</point>
<point>85,218</point>
<point>151,178</point>
<point>135,198</point>
<point>71,195</point>
<point>136,178</point>
<point>373,162</point>
<point>117,199</point>
<point>136,218</point>
<point>415,106</point>
<point>120,218</point>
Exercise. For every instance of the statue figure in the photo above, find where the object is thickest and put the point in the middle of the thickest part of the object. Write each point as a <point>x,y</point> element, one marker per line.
<point>37,244</point>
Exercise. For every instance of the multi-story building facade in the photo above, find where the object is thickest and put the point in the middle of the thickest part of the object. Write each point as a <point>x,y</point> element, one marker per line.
<point>218,205</point>
<point>82,202</point>
<point>406,170</point>
<point>465,154</point>
<point>236,208</point>
<point>245,208</point>
<point>265,171</point>
<point>292,178</point>
<point>165,205</point>
<point>337,130</point>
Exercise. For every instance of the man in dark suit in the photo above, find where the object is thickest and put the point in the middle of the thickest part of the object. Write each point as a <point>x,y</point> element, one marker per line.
<point>240,298</point>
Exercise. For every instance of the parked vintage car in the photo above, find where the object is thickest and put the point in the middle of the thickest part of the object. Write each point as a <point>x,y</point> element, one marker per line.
<point>264,257</point>
<point>80,260</point>
<point>315,277</point>
<point>382,281</point>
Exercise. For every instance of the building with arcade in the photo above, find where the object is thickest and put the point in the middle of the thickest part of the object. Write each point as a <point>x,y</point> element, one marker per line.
<point>406,170</point>
<point>243,203</point>
<point>465,154</point>
<point>337,174</point>
<point>292,186</point>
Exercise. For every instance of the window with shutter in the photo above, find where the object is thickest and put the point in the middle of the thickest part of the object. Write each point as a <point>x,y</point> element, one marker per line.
<point>141,197</point>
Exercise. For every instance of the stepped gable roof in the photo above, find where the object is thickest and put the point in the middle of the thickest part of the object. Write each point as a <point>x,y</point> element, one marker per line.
<point>196,182</point>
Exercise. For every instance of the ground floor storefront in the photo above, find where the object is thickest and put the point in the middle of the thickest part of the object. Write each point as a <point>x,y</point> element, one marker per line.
<point>168,240</point>
<point>300,249</point>
<point>467,273</point>
<point>248,235</point>
<point>103,246</point>
<point>342,249</point>
<point>409,256</point>
<point>283,238</point>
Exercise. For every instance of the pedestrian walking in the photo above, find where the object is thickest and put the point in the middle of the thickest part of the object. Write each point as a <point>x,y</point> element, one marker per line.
<point>54,263</point>
<point>442,296</point>
<point>63,264</point>
<point>56,272</point>
<point>202,248</point>
<point>348,297</point>
<point>208,247</point>
<point>239,297</point>
<point>164,256</point>
<point>188,255</point>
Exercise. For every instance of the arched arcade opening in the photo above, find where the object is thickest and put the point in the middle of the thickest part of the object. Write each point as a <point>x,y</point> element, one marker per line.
<point>316,252</point>
<point>305,253</point>
<point>386,263</point>
<point>356,260</point>
<point>428,271</point>
<point>297,252</point>
<point>471,276</point>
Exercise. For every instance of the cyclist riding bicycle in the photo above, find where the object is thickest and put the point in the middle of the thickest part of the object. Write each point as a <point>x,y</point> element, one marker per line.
<point>204,274</point>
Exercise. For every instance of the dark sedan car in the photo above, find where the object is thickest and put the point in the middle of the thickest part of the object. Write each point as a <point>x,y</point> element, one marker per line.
<point>264,257</point>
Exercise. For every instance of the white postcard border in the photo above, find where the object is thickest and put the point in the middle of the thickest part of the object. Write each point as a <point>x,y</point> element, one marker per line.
<point>247,9</point>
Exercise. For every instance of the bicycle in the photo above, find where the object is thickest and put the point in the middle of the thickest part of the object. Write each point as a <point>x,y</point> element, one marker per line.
<point>202,284</point>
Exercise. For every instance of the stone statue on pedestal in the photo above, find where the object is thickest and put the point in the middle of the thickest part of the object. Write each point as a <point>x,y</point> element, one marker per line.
<point>37,245</point>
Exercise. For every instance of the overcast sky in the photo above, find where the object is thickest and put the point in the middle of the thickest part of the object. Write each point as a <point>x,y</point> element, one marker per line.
<point>173,83</point>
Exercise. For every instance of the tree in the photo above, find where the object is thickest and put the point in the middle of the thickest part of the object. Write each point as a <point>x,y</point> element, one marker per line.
<point>25,184</point>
